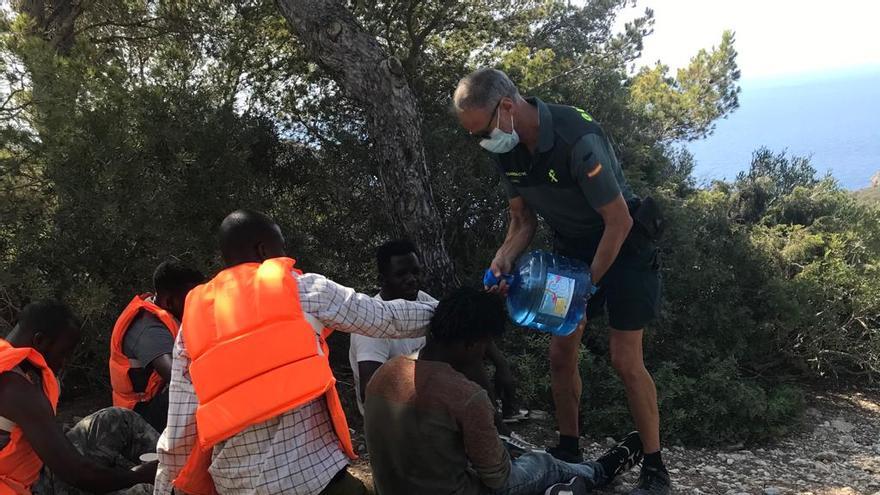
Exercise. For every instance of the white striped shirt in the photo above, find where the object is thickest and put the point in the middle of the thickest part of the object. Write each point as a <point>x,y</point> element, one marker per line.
<point>296,452</point>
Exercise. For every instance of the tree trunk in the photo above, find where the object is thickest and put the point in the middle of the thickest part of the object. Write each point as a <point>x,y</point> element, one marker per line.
<point>55,22</point>
<point>333,38</point>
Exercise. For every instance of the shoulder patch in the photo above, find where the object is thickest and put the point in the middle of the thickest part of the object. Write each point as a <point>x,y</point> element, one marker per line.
<point>584,115</point>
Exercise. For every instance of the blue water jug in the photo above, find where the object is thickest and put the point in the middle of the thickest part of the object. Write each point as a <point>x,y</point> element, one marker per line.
<point>548,292</point>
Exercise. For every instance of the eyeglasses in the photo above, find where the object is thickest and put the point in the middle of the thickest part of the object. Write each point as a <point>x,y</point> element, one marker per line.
<point>486,131</point>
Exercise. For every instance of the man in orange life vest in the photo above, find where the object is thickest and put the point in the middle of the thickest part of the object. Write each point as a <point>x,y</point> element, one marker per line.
<point>96,454</point>
<point>142,341</point>
<point>252,404</point>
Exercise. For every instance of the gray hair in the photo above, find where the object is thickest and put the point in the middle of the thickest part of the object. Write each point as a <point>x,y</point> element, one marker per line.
<point>482,88</point>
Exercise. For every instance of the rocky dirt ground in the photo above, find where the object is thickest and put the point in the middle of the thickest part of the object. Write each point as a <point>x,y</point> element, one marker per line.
<point>836,452</point>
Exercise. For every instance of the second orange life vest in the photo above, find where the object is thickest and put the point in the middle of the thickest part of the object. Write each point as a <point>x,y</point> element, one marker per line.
<point>124,394</point>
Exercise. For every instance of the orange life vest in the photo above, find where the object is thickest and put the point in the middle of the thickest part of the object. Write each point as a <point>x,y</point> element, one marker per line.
<point>19,464</point>
<point>255,355</point>
<point>124,394</point>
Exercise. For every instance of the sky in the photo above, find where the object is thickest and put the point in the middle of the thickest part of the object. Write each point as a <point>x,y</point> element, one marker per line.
<point>774,38</point>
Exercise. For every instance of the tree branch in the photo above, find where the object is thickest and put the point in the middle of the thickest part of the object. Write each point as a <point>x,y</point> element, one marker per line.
<point>141,23</point>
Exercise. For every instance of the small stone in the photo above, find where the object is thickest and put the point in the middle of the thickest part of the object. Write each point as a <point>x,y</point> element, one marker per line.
<point>730,461</point>
<point>538,415</point>
<point>842,426</point>
<point>610,442</point>
<point>772,490</point>
<point>826,456</point>
<point>846,440</point>
<point>813,412</point>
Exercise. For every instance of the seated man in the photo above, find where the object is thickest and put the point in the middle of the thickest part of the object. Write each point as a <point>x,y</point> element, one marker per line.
<point>400,277</point>
<point>98,453</point>
<point>253,403</point>
<point>142,341</point>
<point>430,430</point>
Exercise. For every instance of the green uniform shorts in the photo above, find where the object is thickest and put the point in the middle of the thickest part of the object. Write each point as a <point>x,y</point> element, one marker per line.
<point>630,291</point>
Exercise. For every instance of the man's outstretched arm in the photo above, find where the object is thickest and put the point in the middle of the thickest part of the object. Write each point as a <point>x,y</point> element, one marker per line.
<point>25,405</point>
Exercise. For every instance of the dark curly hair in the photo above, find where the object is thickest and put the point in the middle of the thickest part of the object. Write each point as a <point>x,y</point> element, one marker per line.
<point>468,315</point>
<point>397,247</point>
<point>48,316</point>
<point>173,277</point>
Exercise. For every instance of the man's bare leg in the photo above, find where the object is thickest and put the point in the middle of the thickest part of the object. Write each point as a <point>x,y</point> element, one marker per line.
<point>641,394</point>
<point>566,384</point>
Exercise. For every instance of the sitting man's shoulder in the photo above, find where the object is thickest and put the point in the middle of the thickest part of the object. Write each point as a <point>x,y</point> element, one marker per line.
<point>423,380</point>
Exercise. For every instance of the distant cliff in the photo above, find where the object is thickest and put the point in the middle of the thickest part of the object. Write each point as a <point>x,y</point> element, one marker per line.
<point>870,194</point>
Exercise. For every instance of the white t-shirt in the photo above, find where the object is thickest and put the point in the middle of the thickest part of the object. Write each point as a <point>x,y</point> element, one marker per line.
<point>363,348</point>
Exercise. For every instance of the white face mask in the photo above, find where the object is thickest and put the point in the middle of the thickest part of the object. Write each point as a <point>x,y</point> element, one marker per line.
<point>500,142</point>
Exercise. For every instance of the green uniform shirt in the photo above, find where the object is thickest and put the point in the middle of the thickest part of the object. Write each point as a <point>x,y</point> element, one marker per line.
<point>573,172</point>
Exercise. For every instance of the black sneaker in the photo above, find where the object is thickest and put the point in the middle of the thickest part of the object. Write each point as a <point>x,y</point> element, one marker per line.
<point>573,457</point>
<point>575,486</point>
<point>622,457</point>
<point>652,481</point>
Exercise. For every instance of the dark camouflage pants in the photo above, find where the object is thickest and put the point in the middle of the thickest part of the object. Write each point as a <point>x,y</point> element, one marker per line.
<point>111,437</point>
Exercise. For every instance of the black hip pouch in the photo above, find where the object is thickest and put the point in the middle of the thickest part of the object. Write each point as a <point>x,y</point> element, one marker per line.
<point>648,225</point>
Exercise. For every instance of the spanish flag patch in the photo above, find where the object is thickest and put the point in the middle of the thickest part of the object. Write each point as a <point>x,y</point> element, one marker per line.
<point>595,171</point>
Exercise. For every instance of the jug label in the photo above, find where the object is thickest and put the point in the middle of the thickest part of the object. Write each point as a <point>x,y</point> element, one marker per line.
<point>558,293</point>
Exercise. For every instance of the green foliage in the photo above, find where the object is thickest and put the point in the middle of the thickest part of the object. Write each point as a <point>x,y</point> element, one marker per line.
<point>752,305</point>
<point>127,141</point>
<point>686,107</point>
<point>768,180</point>
<point>720,405</point>
<point>870,195</point>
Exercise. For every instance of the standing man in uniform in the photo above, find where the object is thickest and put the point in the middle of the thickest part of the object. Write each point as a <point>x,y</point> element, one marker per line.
<point>555,160</point>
